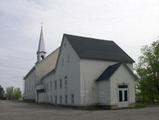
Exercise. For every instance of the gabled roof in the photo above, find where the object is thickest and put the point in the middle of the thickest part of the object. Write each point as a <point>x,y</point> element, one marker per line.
<point>91,48</point>
<point>108,72</point>
<point>32,69</point>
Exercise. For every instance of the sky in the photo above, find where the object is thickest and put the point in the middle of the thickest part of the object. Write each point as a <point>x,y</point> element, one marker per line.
<point>130,23</point>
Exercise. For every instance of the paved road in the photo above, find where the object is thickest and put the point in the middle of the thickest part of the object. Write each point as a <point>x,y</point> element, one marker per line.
<point>29,111</point>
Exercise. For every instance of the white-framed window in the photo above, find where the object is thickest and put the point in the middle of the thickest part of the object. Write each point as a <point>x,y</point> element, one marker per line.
<point>72,98</point>
<point>65,83</point>
<point>55,84</point>
<point>55,99</point>
<point>66,99</point>
<point>52,85</point>
<point>60,82</point>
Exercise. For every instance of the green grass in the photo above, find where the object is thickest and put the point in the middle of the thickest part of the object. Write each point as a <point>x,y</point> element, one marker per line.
<point>140,105</point>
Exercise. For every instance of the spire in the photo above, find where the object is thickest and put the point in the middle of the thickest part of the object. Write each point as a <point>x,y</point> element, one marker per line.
<point>41,47</point>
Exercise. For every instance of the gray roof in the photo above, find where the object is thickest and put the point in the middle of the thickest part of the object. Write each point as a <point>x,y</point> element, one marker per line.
<point>108,72</point>
<point>91,48</point>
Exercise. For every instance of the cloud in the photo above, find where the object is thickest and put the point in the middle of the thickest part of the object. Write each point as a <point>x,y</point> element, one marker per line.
<point>130,23</point>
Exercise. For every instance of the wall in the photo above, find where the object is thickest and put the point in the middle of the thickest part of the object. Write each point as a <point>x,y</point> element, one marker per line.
<point>103,92</point>
<point>122,76</point>
<point>42,98</point>
<point>68,65</point>
<point>46,65</point>
<point>29,91</point>
<point>90,70</point>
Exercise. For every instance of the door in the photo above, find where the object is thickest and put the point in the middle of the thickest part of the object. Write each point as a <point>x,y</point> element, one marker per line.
<point>123,96</point>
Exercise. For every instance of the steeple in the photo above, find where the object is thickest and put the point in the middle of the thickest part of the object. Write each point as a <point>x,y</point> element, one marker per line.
<point>41,48</point>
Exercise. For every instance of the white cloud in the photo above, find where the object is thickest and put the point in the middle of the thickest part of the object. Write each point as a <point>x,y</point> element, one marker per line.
<point>130,23</point>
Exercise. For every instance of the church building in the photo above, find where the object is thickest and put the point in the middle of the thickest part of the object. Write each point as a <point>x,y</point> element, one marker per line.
<point>81,72</point>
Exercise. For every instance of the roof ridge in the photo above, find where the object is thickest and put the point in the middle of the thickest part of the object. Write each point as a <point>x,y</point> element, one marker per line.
<point>91,38</point>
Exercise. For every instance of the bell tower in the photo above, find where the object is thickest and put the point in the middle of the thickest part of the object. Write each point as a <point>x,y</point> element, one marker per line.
<point>41,47</point>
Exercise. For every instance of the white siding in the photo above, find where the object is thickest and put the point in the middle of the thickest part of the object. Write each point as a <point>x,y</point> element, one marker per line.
<point>65,67</point>
<point>29,92</point>
<point>46,65</point>
<point>42,98</point>
<point>71,69</point>
<point>103,92</point>
<point>119,77</point>
<point>81,80</point>
<point>90,70</point>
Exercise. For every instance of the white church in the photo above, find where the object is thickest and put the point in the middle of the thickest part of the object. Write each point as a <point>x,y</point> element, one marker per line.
<point>82,72</point>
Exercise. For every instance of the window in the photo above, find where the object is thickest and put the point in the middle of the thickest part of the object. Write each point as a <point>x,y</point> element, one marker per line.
<point>65,84</point>
<point>120,95</point>
<point>123,86</point>
<point>125,95</point>
<point>60,83</point>
<point>52,85</point>
<point>65,76</point>
<point>55,84</point>
<point>60,99</point>
<point>72,98</point>
<point>65,99</point>
<point>65,81</point>
<point>42,57</point>
<point>55,99</point>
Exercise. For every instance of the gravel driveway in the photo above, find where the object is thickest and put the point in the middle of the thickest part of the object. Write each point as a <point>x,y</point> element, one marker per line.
<point>29,111</point>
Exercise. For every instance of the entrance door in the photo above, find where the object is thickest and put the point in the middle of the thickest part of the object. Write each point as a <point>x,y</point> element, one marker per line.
<point>123,96</point>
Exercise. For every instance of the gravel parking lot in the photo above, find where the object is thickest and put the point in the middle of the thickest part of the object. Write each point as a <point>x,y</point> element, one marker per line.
<point>29,111</point>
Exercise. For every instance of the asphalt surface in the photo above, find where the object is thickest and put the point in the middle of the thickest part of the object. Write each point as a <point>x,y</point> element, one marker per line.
<point>10,110</point>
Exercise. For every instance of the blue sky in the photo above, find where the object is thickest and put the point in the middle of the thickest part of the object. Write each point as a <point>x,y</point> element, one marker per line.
<point>130,23</point>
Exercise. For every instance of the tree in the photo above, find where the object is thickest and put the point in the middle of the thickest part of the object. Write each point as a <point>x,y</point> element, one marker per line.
<point>17,93</point>
<point>148,72</point>
<point>13,93</point>
<point>1,92</point>
<point>9,93</point>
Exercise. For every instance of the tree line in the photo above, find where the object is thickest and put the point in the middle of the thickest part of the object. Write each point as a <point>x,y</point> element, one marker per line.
<point>10,93</point>
<point>147,70</point>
